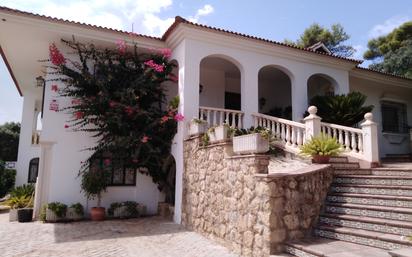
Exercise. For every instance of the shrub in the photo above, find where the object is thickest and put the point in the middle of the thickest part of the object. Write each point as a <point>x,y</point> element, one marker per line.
<point>321,145</point>
<point>264,132</point>
<point>23,190</point>
<point>58,208</point>
<point>42,214</point>
<point>346,110</point>
<point>78,208</point>
<point>18,202</point>
<point>7,179</point>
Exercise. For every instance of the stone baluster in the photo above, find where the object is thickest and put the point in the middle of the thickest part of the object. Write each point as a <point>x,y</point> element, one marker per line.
<point>354,145</point>
<point>347,140</point>
<point>370,140</point>
<point>360,143</point>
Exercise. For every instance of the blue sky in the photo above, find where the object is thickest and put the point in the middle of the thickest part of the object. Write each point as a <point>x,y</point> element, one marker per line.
<point>272,19</point>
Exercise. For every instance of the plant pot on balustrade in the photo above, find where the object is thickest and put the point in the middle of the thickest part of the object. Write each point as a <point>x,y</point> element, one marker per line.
<point>197,127</point>
<point>250,144</point>
<point>320,159</point>
<point>219,133</point>
<point>25,215</point>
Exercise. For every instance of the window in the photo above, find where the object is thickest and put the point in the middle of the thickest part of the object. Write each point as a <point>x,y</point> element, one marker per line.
<point>394,117</point>
<point>120,174</point>
<point>33,170</point>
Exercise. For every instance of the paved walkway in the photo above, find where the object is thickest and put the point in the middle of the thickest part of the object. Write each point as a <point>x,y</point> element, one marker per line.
<point>136,237</point>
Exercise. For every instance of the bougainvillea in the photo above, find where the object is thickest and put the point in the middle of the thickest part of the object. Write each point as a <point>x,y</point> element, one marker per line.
<point>119,97</point>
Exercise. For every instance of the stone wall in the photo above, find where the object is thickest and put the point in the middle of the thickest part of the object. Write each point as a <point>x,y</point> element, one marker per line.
<point>234,200</point>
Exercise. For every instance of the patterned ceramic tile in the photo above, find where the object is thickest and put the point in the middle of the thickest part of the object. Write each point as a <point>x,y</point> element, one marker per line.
<point>366,190</point>
<point>369,201</point>
<point>297,252</point>
<point>393,215</point>
<point>373,181</point>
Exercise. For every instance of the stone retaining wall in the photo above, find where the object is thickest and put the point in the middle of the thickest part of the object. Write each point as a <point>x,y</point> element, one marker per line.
<point>234,200</point>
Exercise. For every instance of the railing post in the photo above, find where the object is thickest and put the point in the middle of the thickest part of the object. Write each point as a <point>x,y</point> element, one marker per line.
<point>312,123</point>
<point>370,140</point>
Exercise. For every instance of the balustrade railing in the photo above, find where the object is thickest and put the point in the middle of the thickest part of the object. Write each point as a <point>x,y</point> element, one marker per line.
<point>351,139</point>
<point>219,116</point>
<point>288,133</point>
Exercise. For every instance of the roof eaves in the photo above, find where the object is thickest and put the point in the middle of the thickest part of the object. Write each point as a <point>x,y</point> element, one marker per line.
<point>383,73</point>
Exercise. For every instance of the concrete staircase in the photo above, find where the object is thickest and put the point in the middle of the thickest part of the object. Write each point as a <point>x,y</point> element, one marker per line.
<point>370,207</point>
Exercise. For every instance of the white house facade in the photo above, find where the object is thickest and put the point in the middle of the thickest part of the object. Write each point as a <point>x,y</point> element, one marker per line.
<point>221,74</point>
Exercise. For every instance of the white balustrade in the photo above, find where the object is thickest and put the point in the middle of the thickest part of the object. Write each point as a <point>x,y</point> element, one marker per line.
<point>350,138</point>
<point>35,137</point>
<point>288,134</point>
<point>219,116</point>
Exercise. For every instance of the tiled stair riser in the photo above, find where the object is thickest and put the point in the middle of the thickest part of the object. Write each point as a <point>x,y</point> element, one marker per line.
<point>366,226</point>
<point>338,159</point>
<point>369,201</point>
<point>373,181</point>
<point>392,173</point>
<point>297,252</point>
<point>367,190</point>
<point>358,240</point>
<point>345,165</point>
<point>369,213</point>
<point>352,172</point>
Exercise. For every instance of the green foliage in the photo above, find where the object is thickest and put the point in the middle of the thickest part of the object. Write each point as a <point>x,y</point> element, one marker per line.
<point>130,206</point>
<point>392,53</point>
<point>78,208</point>
<point>18,202</point>
<point>42,214</point>
<point>333,39</point>
<point>9,141</point>
<point>345,110</point>
<point>264,132</point>
<point>119,98</point>
<point>285,113</point>
<point>23,190</point>
<point>58,208</point>
<point>7,179</point>
<point>113,207</point>
<point>321,145</point>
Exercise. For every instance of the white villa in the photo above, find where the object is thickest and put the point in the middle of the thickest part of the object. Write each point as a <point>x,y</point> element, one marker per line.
<point>221,74</point>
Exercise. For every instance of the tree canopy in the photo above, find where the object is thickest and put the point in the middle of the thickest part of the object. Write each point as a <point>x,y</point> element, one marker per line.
<point>393,52</point>
<point>333,39</point>
<point>9,141</point>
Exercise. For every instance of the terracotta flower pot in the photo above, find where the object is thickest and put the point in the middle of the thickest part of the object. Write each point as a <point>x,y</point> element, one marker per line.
<point>320,159</point>
<point>97,213</point>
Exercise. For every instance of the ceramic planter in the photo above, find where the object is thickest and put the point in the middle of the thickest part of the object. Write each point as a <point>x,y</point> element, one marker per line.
<point>72,215</point>
<point>97,213</point>
<point>322,159</point>
<point>120,212</point>
<point>219,133</point>
<point>25,215</point>
<point>13,215</point>
<point>250,144</point>
<point>197,128</point>
<point>141,209</point>
<point>52,217</point>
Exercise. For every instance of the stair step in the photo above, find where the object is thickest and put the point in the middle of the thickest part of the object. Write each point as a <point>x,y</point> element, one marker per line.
<point>401,214</point>
<point>339,159</point>
<point>373,180</point>
<point>360,236</point>
<point>370,199</point>
<point>345,165</point>
<point>323,247</point>
<point>392,172</point>
<point>344,171</point>
<point>401,228</point>
<point>372,189</point>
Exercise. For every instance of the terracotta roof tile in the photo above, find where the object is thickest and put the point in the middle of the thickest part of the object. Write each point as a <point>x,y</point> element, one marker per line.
<point>383,73</point>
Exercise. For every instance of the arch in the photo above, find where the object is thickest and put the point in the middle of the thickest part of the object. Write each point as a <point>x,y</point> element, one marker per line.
<point>33,170</point>
<point>275,91</point>
<point>220,79</point>
<point>321,84</point>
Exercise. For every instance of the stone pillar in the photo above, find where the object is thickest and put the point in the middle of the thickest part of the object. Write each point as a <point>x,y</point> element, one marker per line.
<point>249,94</point>
<point>312,123</point>
<point>370,140</point>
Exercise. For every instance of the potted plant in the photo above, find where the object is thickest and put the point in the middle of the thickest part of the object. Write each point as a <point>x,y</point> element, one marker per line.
<point>117,210</point>
<point>197,127</point>
<point>321,148</point>
<point>94,182</point>
<point>20,197</point>
<point>251,141</point>
<point>128,209</point>
<point>219,133</point>
<point>75,212</point>
<point>56,211</point>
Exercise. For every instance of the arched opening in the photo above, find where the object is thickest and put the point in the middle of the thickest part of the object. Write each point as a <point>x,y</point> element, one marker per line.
<point>321,85</point>
<point>275,92</point>
<point>33,170</point>
<point>219,83</point>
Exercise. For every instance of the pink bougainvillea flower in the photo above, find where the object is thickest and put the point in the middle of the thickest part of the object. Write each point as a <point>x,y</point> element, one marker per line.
<point>164,119</point>
<point>106,162</point>
<point>179,117</point>
<point>79,115</point>
<point>56,57</point>
<point>66,126</point>
<point>121,46</point>
<point>173,78</point>
<point>166,52</point>
<point>112,104</point>
<point>129,110</point>
<point>145,139</point>
<point>154,66</point>
<point>76,101</point>
<point>54,88</point>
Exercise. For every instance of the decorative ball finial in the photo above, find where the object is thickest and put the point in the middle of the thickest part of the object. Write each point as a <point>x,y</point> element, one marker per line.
<point>312,110</point>
<point>368,116</point>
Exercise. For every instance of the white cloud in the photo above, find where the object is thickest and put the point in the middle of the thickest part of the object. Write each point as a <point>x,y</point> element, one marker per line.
<point>204,11</point>
<point>387,26</point>
<point>119,14</point>
<point>359,50</point>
